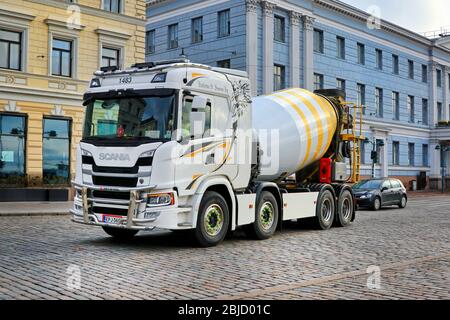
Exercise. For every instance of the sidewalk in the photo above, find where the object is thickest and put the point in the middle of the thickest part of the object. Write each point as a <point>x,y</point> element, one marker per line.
<point>35,208</point>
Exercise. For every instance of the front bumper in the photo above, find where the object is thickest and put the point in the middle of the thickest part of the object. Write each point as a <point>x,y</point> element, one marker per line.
<point>364,202</point>
<point>140,216</point>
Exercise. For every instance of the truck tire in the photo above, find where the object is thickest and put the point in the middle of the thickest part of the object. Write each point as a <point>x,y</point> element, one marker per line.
<point>345,207</point>
<point>266,217</point>
<point>212,220</point>
<point>325,210</point>
<point>119,233</point>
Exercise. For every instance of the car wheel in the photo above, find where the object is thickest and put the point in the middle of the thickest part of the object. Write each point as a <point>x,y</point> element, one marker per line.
<point>403,202</point>
<point>376,205</point>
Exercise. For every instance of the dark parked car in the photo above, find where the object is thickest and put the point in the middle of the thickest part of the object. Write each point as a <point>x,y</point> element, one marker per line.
<point>377,193</point>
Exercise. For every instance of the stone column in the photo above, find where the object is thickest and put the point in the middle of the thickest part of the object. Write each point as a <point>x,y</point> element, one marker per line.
<point>446,100</point>
<point>308,52</point>
<point>435,160</point>
<point>252,45</point>
<point>433,115</point>
<point>295,49</point>
<point>268,32</point>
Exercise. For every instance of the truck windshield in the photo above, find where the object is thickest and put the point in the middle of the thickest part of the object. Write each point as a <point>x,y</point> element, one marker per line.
<point>149,117</point>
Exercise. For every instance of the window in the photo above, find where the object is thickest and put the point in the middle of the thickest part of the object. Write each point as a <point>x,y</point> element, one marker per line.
<point>318,81</point>
<point>411,69</point>
<point>379,102</point>
<point>150,39</point>
<point>424,73</point>
<point>379,59</point>
<point>279,77</point>
<point>439,78</point>
<point>110,57</point>
<point>396,105</point>
<point>361,53</point>
<point>425,155</point>
<point>410,108</point>
<point>197,30</point>
<point>173,36</point>
<point>395,64</point>
<point>224,27</point>
<point>62,58</point>
<point>185,117</point>
<point>224,64</point>
<point>361,96</point>
<point>411,154</point>
<point>56,151</point>
<point>340,47</point>
<point>10,49</point>
<point>318,41</point>
<point>12,149</point>
<point>340,84</point>
<point>279,29</point>
<point>112,5</point>
<point>440,111</point>
<point>395,153</point>
<point>425,111</point>
<point>363,152</point>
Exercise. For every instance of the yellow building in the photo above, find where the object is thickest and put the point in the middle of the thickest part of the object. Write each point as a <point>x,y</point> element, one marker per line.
<point>49,50</point>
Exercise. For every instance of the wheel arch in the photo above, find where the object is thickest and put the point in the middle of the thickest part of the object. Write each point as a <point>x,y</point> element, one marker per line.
<point>222,186</point>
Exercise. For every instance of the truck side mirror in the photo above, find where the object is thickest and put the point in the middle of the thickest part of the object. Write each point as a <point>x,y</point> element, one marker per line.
<point>197,126</point>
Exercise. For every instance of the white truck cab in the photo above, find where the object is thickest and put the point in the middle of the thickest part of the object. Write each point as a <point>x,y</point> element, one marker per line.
<point>171,145</point>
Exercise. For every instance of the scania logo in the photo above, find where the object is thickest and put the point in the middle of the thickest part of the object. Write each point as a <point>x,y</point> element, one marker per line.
<point>114,156</point>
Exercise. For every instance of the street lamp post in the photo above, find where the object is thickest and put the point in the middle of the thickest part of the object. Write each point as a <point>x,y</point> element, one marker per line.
<point>374,153</point>
<point>444,149</point>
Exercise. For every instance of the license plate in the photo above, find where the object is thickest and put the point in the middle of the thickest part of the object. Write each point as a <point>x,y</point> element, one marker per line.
<point>111,219</point>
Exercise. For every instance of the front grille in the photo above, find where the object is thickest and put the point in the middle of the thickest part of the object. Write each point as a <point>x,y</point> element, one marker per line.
<point>114,181</point>
<point>111,195</point>
<point>134,169</point>
<point>114,211</point>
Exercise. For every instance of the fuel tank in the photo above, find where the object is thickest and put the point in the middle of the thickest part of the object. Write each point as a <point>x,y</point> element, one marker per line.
<point>294,128</point>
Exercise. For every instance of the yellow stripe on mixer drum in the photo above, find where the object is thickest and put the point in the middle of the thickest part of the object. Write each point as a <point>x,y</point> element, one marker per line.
<point>305,121</point>
<point>323,105</point>
<point>320,127</point>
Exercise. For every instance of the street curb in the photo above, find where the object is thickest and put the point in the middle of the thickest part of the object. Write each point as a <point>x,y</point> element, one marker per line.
<point>33,214</point>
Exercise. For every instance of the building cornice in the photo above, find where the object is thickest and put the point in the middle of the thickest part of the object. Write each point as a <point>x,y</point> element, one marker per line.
<point>113,33</point>
<point>17,13</point>
<point>97,12</point>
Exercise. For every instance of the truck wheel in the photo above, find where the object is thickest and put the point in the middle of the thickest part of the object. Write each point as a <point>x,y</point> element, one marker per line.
<point>325,210</point>
<point>118,233</point>
<point>345,209</point>
<point>266,217</point>
<point>212,221</point>
<point>376,205</point>
<point>403,202</point>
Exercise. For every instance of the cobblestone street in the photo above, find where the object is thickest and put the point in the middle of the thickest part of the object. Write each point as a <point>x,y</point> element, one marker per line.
<point>38,256</point>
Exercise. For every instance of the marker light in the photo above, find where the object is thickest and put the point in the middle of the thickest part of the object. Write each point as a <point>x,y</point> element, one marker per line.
<point>95,83</point>
<point>160,77</point>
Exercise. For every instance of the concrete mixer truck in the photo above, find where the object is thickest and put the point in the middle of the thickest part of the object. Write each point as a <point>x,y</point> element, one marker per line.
<point>184,147</point>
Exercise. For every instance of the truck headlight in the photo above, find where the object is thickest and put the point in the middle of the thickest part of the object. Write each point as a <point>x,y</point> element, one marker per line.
<point>161,199</point>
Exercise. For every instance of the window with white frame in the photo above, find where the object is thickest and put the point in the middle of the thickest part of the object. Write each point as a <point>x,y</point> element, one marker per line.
<point>410,107</point>
<point>197,30</point>
<point>340,47</point>
<point>318,81</point>
<point>361,53</point>
<point>379,59</point>
<point>361,96</point>
<point>395,153</point>
<point>379,102</point>
<point>318,41</point>
<point>279,77</point>
<point>396,105</point>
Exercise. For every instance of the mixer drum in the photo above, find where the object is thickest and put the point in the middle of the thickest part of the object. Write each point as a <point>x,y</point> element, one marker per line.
<point>295,128</point>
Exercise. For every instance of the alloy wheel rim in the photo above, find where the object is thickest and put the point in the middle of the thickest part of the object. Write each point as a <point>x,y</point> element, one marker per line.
<point>213,220</point>
<point>266,215</point>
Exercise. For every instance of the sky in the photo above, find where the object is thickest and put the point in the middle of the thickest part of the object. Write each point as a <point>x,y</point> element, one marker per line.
<point>416,15</point>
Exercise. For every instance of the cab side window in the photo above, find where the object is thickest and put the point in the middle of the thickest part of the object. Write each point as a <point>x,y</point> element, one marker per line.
<point>186,121</point>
